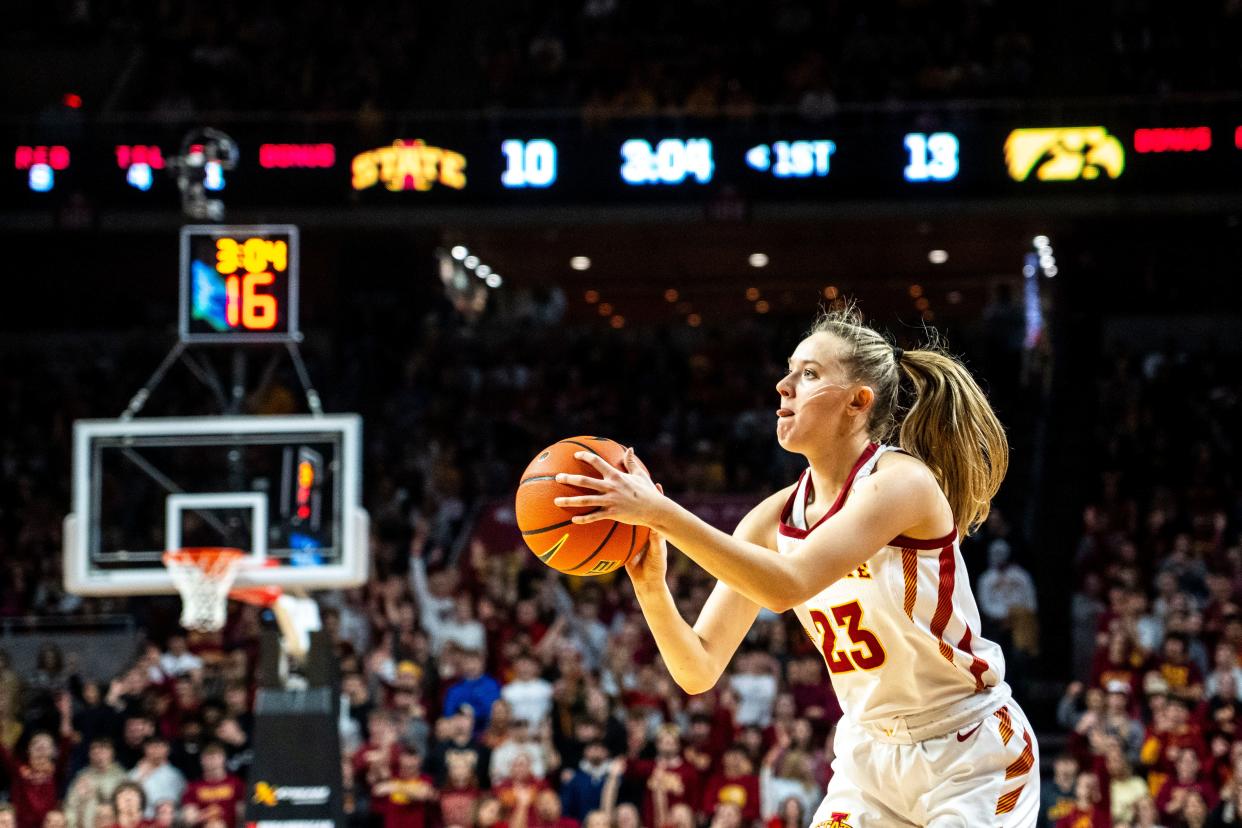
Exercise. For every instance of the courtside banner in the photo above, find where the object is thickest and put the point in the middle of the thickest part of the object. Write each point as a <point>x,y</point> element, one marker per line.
<point>296,776</point>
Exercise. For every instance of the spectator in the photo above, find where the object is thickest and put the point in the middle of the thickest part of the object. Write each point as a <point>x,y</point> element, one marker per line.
<point>1229,811</point>
<point>236,741</point>
<point>735,784</point>
<point>528,694</point>
<point>1226,674</point>
<point>586,632</point>
<point>627,816</point>
<point>49,673</point>
<point>1117,721</point>
<point>475,690</point>
<point>159,779</point>
<point>786,774</point>
<point>1145,814</point>
<point>178,660</point>
<point>459,793</point>
<point>135,733</point>
<point>791,814</point>
<point>455,742</point>
<point>754,681</point>
<point>517,792</point>
<point>1006,591</point>
<point>33,784</point>
<point>94,784</point>
<point>444,618</point>
<point>668,779</point>
<point>129,804</point>
<point>1174,797</point>
<point>377,760</point>
<point>1058,794</point>
<point>519,742</point>
<point>1125,789</point>
<point>216,799</point>
<point>583,787</point>
<point>356,707</point>
<point>1177,670</point>
<point>547,812</point>
<point>1086,812</point>
<point>406,800</point>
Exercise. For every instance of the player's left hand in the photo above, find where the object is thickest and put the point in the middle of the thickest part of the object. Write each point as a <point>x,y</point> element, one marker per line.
<point>627,496</point>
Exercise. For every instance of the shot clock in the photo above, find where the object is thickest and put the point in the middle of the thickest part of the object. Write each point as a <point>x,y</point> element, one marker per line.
<point>239,283</point>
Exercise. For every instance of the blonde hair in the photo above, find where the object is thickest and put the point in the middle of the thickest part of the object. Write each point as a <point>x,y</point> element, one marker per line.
<point>949,425</point>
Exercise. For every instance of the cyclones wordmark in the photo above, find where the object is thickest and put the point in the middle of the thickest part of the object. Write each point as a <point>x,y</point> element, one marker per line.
<point>409,165</point>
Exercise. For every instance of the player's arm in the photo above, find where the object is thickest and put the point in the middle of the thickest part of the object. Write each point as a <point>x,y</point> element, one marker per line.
<point>289,631</point>
<point>901,497</point>
<point>697,656</point>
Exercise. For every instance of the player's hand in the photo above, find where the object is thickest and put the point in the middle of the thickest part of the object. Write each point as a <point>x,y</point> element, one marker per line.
<point>649,568</point>
<point>627,496</point>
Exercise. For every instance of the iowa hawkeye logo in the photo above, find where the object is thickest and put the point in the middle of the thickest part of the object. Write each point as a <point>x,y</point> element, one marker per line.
<point>836,819</point>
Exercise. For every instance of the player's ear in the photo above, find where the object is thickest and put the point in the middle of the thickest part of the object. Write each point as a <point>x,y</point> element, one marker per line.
<point>862,400</point>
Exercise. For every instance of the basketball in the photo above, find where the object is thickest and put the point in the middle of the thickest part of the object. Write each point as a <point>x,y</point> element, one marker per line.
<point>586,549</point>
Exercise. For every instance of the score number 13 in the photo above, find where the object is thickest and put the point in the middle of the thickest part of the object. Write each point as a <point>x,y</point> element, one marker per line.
<point>932,157</point>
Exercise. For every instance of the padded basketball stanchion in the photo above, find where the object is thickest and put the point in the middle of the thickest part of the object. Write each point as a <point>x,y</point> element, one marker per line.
<point>203,576</point>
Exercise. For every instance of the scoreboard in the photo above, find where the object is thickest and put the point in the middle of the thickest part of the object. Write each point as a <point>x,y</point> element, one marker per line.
<point>239,284</point>
<point>657,161</point>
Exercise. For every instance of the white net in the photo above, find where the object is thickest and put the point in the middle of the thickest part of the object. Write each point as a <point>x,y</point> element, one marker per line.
<point>203,577</point>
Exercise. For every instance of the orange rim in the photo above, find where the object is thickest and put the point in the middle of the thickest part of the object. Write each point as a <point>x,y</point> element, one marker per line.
<point>210,559</point>
<point>261,596</point>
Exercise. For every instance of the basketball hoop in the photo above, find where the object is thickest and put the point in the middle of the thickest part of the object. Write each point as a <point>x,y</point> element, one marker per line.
<point>203,576</point>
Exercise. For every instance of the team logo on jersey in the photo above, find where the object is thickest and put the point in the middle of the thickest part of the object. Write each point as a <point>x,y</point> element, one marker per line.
<point>863,571</point>
<point>837,819</point>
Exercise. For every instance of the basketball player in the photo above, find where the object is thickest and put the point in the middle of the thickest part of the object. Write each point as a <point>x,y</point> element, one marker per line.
<point>867,555</point>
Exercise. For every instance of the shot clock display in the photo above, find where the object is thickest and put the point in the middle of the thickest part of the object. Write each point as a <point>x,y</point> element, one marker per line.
<point>239,284</point>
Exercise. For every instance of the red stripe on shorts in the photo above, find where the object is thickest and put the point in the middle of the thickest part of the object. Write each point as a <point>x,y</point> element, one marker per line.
<point>1006,725</point>
<point>1023,764</point>
<point>1008,801</point>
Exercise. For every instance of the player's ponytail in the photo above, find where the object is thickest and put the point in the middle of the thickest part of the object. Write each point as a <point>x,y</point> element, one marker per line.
<point>949,424</point>
<point>952,428</point>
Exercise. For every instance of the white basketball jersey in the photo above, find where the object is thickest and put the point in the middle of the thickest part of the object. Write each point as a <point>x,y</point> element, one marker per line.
<point>900,634</point>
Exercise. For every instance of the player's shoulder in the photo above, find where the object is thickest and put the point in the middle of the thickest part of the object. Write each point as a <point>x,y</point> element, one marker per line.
<point>910,471</point>
<point>759,525</point>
